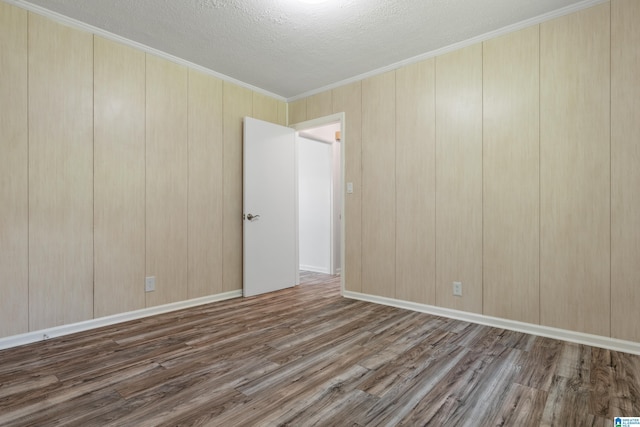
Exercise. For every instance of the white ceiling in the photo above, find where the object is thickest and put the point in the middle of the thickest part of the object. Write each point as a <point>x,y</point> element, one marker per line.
<point>289,48</point>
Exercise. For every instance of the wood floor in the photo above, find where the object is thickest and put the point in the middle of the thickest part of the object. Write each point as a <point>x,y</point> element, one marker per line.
<point>305,356</point>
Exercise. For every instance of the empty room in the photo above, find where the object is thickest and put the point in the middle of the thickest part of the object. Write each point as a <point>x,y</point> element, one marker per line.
<point>480,206</point>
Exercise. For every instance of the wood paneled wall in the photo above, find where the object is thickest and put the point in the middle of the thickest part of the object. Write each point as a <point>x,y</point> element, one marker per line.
<point>379,185</point>
<point>205,185</point>
<point>459,178</point>
<point>166,179</point>
<point>511,176</point>
<point>269,109</point>
<point>238,104</point>
<point>123,165</point>
<point>536,175</point>
<point>575,172</point>
<point>119,177</point>
<point>416,182</point>
<point>319,105</point>
<point>14,178</point>
<point>298,111</point>
<point>60,174</point>
<point>625,170</point>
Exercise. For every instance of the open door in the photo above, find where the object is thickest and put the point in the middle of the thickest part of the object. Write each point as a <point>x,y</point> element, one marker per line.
<point>269,208</point>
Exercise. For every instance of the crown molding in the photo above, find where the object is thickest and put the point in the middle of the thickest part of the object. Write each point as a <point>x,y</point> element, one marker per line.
<point>441,51</point>
<point>459,45</point>
<point>74,23</point>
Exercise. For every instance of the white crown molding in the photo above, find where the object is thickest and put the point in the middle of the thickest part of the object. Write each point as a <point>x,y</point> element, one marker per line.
<point>513,325</point>
<point>58,331</point>
<point>441,51</point>
<point>492,34</point>
<point>74,23</point>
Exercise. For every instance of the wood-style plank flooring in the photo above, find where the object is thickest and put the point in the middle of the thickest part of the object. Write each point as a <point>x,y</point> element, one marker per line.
<point>306,356</point>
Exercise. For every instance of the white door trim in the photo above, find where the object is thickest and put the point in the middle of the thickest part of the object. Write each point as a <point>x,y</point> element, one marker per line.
<point>314,123</point>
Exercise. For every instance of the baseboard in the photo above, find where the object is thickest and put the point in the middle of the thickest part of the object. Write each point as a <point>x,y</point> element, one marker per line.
<point>314,269</point>
<point>58,331</point>
<point>513,325</point>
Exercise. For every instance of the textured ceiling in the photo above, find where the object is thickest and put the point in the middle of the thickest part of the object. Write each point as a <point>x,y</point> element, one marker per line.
<point>287,47</point>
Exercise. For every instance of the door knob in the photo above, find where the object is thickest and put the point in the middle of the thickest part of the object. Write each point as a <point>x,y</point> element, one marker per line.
<point>251,217</point>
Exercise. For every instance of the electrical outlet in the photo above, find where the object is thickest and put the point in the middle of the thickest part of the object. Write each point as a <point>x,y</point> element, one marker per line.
<point>150,284</point>
<point>457,289</point>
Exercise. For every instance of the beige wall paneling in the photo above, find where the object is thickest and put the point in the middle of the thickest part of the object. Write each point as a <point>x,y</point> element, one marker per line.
<point>575,172</point>
<point>459,178</point>
<point>60,174</point>
<point>511,176</point>
<point>282,113</point>
<point>379,185</point>
<point>237,103</point>
<point>319,105</point>
<point>14,178</point>
<point>205,185</point>
<point>265,108</point>
<point>298,111</point>
<point>119,184</point>
<point>166,180</point>
<point>625,169</point>
<point>415,183</point>
<point>348,99</point>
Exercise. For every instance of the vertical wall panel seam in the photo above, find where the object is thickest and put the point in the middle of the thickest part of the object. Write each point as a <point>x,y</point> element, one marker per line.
<point>146,164</point>
<point>435,176</point>
<point>222,208</point>
<point>28,180</point>
<point>539,174</point>
<point>395,183</point>
<point>610,168</point>
<point>188,175</point>
<point>361,189</point>
<point>93,173</point>
<point>361,181</point>
<point>482,177</point>
<point>435,181</point>
<point>304,102</point>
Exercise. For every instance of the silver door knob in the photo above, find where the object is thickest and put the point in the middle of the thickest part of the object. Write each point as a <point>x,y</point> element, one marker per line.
<point>251,217</point>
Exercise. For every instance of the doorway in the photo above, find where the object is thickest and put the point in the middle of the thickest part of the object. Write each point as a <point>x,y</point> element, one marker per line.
<point>320,154</point>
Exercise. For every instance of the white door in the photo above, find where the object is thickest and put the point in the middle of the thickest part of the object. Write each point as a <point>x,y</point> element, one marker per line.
<point>269,207</point>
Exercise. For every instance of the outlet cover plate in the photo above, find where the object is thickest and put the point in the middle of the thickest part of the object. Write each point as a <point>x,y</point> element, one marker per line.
<point>457,289</point>
<point>150,284</point>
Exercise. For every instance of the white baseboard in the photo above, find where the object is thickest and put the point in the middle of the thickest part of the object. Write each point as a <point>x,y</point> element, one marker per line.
<point>58,331</point>
<point>513,325</point>
<point>528,328</point>
<point>314,269</point>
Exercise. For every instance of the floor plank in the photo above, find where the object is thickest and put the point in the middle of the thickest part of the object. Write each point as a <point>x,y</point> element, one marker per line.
<point>306,356</point>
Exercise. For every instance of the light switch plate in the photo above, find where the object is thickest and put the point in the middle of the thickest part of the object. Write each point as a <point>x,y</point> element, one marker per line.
<point>349,187</point>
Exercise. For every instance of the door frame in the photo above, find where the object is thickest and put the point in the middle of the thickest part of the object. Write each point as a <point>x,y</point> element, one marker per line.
<point>314,123</point>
